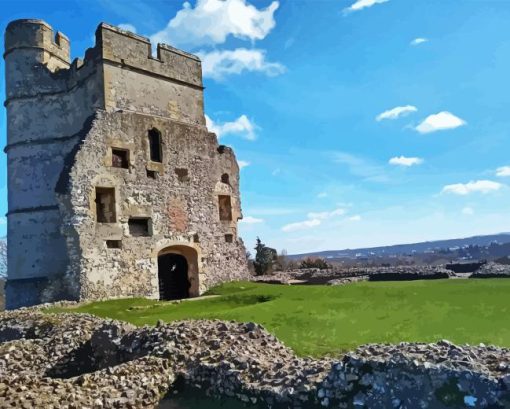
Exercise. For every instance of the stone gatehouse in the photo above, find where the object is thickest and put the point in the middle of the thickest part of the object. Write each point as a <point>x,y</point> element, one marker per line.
<point>116,188</point>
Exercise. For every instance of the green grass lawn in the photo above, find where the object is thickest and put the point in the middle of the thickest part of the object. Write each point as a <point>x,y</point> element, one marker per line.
<point>324,320</point>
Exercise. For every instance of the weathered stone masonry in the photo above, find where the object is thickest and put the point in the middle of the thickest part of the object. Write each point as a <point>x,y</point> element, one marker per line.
<point>116,187</point>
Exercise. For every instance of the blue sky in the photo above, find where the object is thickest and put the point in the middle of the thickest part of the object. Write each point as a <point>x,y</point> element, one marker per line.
<point>358,123</point>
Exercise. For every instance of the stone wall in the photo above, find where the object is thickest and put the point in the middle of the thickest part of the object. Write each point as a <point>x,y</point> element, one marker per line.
<point>58,154</point>
<point>51,359</point>
<point>183,210</point>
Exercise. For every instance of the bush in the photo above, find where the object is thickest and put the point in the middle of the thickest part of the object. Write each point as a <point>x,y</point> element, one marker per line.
<point>314,263</point>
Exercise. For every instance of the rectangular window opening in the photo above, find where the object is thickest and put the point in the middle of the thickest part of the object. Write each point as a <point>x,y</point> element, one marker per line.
<point>182,174</point>
<point>105,205</point>
<point>155,145</point>
<point>120,158</point>
<point>139,226</point>
<point>114,244</point>
<point>229,238</point>
<point>152,174</point>
<point>225,207</point>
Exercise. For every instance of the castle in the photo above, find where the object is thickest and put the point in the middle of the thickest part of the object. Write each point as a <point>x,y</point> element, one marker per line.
<point>116,188</point>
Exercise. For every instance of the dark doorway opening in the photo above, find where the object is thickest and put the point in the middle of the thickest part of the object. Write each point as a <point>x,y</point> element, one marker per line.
<point>173,277</point>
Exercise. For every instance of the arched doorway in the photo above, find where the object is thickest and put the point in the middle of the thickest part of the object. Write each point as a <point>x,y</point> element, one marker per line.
<point>178,272</point>
<point>173,278</point>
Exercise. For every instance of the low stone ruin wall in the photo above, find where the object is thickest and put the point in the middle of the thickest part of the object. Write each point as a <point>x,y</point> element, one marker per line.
<point>78,360</point>
<point>492,270</point>
<point>339,276</point>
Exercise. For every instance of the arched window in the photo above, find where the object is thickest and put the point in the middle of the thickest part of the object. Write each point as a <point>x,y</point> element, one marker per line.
<point>155,145</point>
<point>225,179</point>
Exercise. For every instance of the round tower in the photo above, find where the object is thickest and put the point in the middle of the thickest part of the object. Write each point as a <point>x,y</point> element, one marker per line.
<point>35,156</point>
<point>29,43</point>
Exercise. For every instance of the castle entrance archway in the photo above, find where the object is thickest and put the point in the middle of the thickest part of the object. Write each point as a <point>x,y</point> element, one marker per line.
<point>177,273</point>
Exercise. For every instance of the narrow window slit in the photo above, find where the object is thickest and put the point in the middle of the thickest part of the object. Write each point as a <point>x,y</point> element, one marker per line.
<point>155,145</point>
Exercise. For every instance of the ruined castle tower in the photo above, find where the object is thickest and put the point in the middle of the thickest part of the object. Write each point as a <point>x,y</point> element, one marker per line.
<point>116,188</point>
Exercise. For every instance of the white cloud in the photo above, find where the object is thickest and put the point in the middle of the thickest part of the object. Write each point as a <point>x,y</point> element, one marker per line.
<point>307,224</point>
<point>326,215</point>
<point>241,126</point>
<point>396,112</point>
<point>419,40</point>
<point>322,195</point>
<point>481,186</point>
<point>468,211</point>
<point>503,171</point>
<point>441,121</point>
<point>127,27</point>
<point>3,220</point>
<point>355,218</point>
<point>405,161</point>
<point>219,64</point>
<point>251,220</point>
<point>212,21</point>
<point>314,220</point>
<point>361,4</point>
<point>242,164</point>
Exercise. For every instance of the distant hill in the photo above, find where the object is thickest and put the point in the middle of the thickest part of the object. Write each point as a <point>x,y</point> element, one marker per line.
<point>409,249</point>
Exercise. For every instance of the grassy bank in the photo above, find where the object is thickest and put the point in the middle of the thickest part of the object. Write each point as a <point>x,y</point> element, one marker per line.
<point>321,320</point>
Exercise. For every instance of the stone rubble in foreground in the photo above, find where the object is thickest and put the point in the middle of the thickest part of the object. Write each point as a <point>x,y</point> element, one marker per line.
<point>82,361</point>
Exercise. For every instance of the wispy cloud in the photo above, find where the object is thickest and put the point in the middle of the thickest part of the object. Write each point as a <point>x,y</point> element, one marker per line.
<point>127,27</point>
<point>306,224</point>
<point>362,4</point>
<point>251,220</point>
<point>439,122</point>
<point>314,219</point>
<point>326,215</point>
<point>211,22</point>
<point>405,161</point>
<point>503,171</point>
<point>419,40</point>
<point>396,112</point>
<point>322,195</point>
<point>479,186</point>
<point>242,164</point>
<point>219,64</point>
<point>468,211</point>
<point>359,166</point>
<point>241,126</point>
<point>355,218</point>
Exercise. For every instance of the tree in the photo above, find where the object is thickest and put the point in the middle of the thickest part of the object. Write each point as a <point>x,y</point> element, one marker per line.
<point>284,263</point>
<point>264,258</point>
<point>3,258</point>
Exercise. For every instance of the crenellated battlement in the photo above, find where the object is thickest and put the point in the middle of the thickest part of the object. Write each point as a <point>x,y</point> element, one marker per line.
<point>33,34</point>
<point>135,52</point>
<point>38,66</point>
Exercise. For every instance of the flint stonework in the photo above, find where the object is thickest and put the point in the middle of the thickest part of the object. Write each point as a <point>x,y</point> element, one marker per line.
<point>110,166</point>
